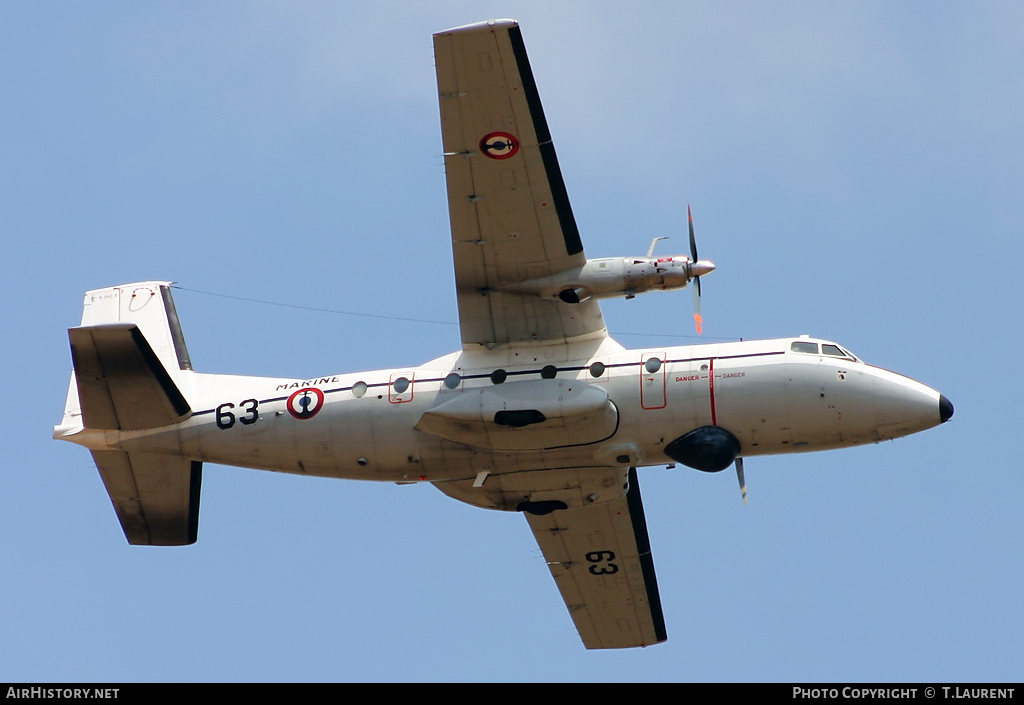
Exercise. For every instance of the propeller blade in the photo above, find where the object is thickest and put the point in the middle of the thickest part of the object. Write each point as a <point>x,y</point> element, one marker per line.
<point>697,318</point>
<point>693,239</point>
<point>741,478</point>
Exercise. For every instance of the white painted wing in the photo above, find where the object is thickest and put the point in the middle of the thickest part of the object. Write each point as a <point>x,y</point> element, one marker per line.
<point>510,215</point>
<point>600,558</point>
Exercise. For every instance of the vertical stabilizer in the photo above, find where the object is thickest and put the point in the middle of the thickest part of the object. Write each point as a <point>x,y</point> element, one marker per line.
<point>150,307</point>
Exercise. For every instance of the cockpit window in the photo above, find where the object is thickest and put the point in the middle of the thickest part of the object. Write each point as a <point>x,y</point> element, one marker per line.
<point>835,350</point>
<point>831,349</point>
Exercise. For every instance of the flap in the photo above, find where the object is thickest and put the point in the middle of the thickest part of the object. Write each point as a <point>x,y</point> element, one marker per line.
<point>539,490</point>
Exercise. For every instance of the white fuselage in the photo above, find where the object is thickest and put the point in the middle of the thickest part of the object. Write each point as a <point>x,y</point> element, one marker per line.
<point>364,425</point>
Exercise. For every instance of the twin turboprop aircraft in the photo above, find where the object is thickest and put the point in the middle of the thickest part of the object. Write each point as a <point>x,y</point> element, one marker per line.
<point>540,412</point>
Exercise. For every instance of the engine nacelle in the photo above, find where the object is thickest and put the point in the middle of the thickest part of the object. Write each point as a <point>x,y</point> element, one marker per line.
<point>708,448</point>
<point>629,276</point>
<point>615,276</point>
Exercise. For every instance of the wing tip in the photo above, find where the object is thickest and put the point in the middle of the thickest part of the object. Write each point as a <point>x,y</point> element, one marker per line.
<point>486,26</point>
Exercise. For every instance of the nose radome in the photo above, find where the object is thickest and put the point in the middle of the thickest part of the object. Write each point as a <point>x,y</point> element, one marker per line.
<point>904,406</point>
<point>945,408</point>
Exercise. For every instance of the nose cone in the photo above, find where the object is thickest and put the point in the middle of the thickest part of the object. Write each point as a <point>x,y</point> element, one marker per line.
<point>945,408</point>
<point>903,406</point>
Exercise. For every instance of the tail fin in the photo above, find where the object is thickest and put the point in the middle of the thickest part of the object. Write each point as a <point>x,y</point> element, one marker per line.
<point>150,306</point>
<point>129,356</point>
<point>130,361</point>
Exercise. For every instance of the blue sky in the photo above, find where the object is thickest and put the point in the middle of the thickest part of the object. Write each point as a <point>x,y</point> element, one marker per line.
<point>855,172</point>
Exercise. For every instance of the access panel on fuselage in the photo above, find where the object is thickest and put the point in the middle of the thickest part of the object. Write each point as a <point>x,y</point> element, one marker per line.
<point>687,396</point>
<point>652,380</point>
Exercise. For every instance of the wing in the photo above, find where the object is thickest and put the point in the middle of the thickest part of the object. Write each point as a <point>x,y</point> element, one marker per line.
<point>510,216</point>
<point>594,539</point>
<point>600,557</point>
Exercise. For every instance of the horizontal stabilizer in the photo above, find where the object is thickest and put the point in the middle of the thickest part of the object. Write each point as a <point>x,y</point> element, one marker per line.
<point>156,497</point>
<point>121,382</point>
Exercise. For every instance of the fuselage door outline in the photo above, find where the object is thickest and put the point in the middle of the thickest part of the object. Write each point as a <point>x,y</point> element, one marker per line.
<point>652,380</point>
<point>400,390</point>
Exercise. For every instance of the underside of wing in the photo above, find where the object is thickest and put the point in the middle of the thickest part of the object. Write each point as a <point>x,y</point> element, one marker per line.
<point>510,215</point>
<point>600,557</point>
<point>590,525</point>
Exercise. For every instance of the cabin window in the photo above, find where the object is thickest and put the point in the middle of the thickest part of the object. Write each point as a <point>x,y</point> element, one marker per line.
<point>802,346</point>
<point>358,389</point>
<point>401,385</point>
<point>498,376</point>
<point>597,369</point>
<point>548,372</point>
<point>652,365</point>
<point>453,380</point>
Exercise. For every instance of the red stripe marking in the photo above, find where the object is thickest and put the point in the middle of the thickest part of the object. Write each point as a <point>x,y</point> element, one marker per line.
<point>711,389</point>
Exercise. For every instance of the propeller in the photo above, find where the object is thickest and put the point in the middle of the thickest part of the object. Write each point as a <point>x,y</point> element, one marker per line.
<point>741,478</point>
<point>697,269</point>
